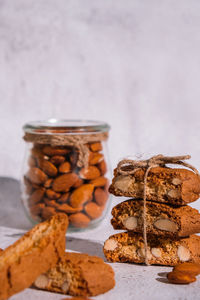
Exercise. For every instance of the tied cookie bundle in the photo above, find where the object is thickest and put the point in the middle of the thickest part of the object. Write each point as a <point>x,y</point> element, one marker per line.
<point>160,225</point>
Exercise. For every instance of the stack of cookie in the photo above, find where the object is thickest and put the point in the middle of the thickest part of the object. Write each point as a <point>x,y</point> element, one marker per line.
<point>170,222</point>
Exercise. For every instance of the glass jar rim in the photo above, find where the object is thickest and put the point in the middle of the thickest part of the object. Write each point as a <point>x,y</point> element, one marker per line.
<point>64,126</point>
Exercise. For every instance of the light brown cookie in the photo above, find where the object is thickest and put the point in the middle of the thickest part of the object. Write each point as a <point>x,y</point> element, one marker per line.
<point>78,275</point>
<point>33,254</point>
<point>167,185</point>
<point>162,219</point>
<point>129,247</point>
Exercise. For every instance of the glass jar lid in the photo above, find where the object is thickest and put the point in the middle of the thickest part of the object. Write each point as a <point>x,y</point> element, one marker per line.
<point>56,126</point>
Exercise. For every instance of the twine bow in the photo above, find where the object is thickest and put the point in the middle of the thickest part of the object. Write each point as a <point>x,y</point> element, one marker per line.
<point>129,167</point>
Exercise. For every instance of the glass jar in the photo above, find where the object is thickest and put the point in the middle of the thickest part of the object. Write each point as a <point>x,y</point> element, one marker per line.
<point>66,170</point>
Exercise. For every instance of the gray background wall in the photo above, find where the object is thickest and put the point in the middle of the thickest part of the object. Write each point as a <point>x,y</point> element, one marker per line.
<point>134,64</point>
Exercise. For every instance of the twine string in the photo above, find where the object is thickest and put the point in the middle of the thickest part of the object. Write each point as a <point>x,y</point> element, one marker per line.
<point>129,167</point>
<point>79,141</point>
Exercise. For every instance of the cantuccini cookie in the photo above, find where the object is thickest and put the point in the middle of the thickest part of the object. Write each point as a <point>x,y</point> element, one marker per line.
<point>162,219</point>
<point>129,247</point>
<point>78,275</point>
<point>33,254</point>
<point>167,185</point>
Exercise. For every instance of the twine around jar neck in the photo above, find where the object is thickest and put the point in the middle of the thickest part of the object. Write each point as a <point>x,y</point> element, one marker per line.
<point>129,167</point>
<point>79,141</point>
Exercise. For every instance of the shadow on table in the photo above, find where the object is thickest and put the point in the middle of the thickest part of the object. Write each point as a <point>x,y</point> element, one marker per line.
<point>85,246</point>
<point>11,209</point>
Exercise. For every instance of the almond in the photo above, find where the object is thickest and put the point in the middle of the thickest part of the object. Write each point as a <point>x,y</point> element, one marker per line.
<point>110,244</point>
<point>52,195</point>
<point>174,194</point>
<point>57,159</point>
<point>47,167</point>
<point>48,183</point>
<point>74,157</point>
<point>102,167</point>
<point>42,281</point>
<point>100,181</point>
<point>63,198</point>
<point>79,220</point>
<point>78,183</point>
<point>180,277</point>
<point>29,186</point>
<point>166,225</point>
<point>93,210</point>
<point>52,151</point>
<point>47,212</point>
<point>36,209</point>
<point>37,153</point>
<point>90,172</point>
<point>130,223</point>
<point>191,268</point>
<point>36,196</point>
<point>141,253</point>
<point>123,182</point>
<point>156,252</point>
<point>95,158</point>
<point>51,203</point>
<point>64,182</point>
<point>31,161</point>
<point>65,167</point>
<point>68,209</point>
<point>81,195</point>
<point>176,181</point>
<point>95,147</point>
<point>100,196</point>
<point>37,176</point>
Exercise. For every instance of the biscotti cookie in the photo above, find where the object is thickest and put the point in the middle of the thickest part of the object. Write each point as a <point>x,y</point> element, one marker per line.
<point>78,275</point>
<point>168,185</point>
<point>129,247</point>
<point>162,219</point>
<point>33,254</point>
